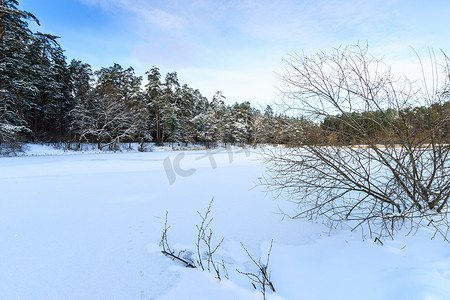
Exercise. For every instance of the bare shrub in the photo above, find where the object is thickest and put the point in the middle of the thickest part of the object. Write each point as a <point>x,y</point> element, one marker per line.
<point>380,156</point>
<point>205,249</point>
<point>261,279</point>
<point>167,251</point>
<point>204,236</point>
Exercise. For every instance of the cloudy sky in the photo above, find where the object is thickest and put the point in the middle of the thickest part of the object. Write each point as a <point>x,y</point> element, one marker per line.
<point>238,47</point>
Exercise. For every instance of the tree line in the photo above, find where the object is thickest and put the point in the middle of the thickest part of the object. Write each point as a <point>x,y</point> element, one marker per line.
<point>45,98</point>
<point>421,123</point>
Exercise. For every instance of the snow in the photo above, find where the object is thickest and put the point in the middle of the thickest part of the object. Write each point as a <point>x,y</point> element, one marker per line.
<point>42,149</point>
<point>88,226</point>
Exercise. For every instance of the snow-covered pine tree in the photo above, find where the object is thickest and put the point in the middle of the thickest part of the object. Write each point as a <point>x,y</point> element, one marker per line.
<point>141,120</point>
<point>153,95</point>
<point>243,120</point>
<point>14,65</point>
<point>211,126</point>
<point>218,106</point>
<point>51,101</point>
<point>115,91</point>
<point>269,125</point>
<point>171,108</point>
<point>187,107</point>
<point>229,126</point>
<point>200,106</point>
<point>82,114</point>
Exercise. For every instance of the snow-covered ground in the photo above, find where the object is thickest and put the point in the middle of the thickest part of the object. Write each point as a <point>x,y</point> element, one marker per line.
<point>45,149</point>
<point>88,226</point>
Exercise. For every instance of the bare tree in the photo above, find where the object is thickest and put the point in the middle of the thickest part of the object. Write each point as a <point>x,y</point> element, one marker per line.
<point>381,165</point>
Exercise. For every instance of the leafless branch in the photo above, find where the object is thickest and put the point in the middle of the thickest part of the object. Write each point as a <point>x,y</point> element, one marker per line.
<point>167,251</point>
<point>205,236</point>
<point>262,278</point>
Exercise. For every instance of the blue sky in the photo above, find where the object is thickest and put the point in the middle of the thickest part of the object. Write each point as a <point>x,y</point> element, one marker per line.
<point>238,47</point>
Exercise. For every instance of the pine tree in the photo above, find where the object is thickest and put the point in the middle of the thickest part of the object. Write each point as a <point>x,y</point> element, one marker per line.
<point>171,109</point>
<point>14,64</point>
<point>52,102</point>
<point>116,93</point>
<point>187,107</point>
<point>229,127</point>
<point>82,113</point>
<point>141,120</point>
<point>269,125</point>
<point>153,96</point>
<point>243,120</point>
<point>218,106</point>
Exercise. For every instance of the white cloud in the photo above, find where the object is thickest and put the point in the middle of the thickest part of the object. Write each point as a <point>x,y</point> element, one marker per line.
<point>237,45</point>
<point>160,18</point>
<point>143,10</point>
